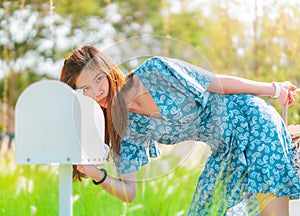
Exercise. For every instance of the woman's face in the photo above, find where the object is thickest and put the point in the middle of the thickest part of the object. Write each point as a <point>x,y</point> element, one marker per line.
<point>93,84</point>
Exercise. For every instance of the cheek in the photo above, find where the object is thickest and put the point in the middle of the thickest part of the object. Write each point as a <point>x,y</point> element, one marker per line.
<point>105,86</point>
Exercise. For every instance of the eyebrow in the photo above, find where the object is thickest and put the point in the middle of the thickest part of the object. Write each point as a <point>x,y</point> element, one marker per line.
<point>93,80</point>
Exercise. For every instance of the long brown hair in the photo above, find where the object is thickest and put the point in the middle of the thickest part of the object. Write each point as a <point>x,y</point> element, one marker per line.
<point>90,58</point>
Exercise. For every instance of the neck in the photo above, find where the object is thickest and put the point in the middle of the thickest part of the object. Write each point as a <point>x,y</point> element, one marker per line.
<point>138,99</point>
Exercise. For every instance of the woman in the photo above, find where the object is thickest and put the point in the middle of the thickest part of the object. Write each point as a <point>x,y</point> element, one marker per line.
<point>168,101</point>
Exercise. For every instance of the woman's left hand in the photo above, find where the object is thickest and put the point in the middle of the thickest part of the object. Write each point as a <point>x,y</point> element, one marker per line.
<point>287,94</point>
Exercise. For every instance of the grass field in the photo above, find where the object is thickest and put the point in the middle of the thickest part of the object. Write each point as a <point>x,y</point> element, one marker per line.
<point>33,190</point>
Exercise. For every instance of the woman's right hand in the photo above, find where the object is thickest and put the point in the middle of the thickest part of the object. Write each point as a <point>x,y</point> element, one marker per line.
<point>287,93</point>
<point>91,171</point>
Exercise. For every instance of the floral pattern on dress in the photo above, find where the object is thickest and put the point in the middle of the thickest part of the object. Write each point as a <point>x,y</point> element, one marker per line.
<point>251,148</point>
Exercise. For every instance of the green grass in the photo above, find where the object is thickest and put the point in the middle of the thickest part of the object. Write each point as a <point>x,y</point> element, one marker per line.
<point>33,190</point>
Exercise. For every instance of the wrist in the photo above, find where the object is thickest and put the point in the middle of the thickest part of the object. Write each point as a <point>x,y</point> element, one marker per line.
<point>277,87</point>
<point>101,178</point>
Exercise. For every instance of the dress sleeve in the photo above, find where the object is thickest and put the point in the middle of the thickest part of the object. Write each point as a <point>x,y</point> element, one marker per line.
<point>182,75</point>
<point>134,156</point>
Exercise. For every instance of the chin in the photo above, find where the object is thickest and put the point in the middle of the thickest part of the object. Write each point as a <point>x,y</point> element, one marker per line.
<point>102,105</point>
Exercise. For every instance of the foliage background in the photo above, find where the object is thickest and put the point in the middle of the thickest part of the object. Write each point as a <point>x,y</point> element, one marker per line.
<point>254,39</point>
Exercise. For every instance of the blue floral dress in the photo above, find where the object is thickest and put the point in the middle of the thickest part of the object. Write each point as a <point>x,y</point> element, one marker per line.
<point>250,145</point>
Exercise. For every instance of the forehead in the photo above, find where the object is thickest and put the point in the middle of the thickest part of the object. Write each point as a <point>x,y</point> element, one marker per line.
<point>85,77</point>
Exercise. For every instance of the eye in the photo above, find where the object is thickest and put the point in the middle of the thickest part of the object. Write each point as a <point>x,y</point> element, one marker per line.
<point>85,89</point>
<point>100,77</point>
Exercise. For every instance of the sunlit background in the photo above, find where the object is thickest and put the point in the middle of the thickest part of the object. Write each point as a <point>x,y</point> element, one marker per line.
<point>249,38</point>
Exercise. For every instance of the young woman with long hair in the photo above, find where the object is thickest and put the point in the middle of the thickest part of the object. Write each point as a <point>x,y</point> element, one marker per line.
<point>168,101</point>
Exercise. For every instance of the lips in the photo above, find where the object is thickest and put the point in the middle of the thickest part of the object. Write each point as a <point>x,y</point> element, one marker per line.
<point>103,100</point>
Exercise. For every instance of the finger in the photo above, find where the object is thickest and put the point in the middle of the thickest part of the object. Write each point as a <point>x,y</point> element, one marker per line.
<point>292,94</point>
<point>290,101</point>
<point>82,168</point>
<point>79,168</point>
<point>292,87</point>
<point>291,97</point>
<point>289,86</point>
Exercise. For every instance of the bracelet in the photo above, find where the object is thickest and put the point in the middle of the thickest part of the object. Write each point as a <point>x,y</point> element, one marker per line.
<point>277,90</point>
<point>104,177</point>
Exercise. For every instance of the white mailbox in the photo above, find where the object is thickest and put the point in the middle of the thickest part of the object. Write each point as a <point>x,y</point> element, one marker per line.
<point>55,124</point>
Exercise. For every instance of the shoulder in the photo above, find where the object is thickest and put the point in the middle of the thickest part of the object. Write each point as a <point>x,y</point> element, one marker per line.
<point>156,60</point>
<point>154,64</point>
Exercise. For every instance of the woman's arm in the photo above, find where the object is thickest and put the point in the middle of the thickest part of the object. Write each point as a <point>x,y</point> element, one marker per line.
<point>123,188</point>
<point>223,84</point>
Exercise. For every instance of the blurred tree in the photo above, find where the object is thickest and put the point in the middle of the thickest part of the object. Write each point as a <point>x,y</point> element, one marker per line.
<point>138,17</point>
<point>274,47</point>
<point>223,39</point>
<point>20,30</point>
<point>22,81</point>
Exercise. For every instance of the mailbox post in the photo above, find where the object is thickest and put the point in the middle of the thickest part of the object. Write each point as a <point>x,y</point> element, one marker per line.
<point>56,125</point>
